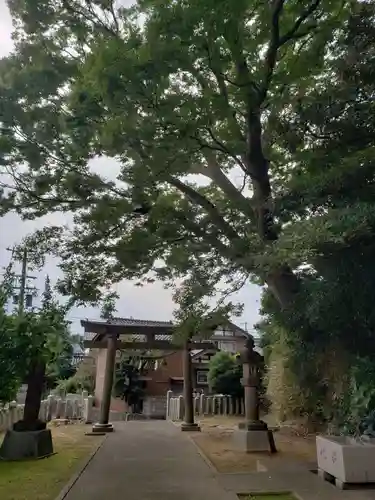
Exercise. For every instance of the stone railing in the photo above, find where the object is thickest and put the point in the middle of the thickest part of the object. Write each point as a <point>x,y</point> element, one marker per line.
<point>73,407</point>
<point>204,405</point>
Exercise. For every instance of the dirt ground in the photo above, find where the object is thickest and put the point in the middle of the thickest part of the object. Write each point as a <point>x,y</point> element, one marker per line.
<point>215,441</point>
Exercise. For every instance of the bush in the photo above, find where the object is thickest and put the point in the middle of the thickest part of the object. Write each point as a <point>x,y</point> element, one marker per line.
<point>75,385</point>
<point>224,375</point>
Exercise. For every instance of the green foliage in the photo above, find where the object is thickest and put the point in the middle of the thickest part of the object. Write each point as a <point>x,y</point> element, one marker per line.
<point>12,345</point>
<point>46,331</point>
<point>167,90</point>
<point>224,375</point>
<point>327,200</point>
<point>108,305</point>
<point>62,367</point>
<point>38,336</point>
<point>127,383</point>
<point>355,415</point>
<point>76,384</point>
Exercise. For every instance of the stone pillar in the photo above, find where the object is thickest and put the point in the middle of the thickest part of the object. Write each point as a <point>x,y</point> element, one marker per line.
<point>188,424</point>
<point>103,425</point>
<point>201,404</point>
<point>253,434</point>
<point>168,408</point>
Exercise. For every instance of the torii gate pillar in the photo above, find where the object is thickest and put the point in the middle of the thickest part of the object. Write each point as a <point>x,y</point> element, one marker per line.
<point>104,425</point>
<point>188,424</point>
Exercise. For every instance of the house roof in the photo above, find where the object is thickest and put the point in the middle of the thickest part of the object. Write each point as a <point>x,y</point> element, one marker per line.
<point>132,322</point>
<point>239,329</point>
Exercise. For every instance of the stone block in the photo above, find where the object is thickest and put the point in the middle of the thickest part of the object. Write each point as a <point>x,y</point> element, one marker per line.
<point>26,445</point>
<point>347,459</point>
<point>253,440</point>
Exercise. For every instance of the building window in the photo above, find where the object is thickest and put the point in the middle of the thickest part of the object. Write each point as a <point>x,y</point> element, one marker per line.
<point>228,346</point>
<point>202,377</point>
<point>223,332</point>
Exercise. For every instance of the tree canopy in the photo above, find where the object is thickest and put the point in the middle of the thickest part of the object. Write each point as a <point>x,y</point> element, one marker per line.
<point>171,91</point>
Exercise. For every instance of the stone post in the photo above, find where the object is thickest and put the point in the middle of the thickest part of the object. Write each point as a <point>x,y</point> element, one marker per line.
<point>12,413</point>
<point>201,404</point>
<point>168,409</point>
<point>50,407</point>
<point>188,424</point>
<point>59,407</point>
<point>103,425</point>
<point>180,411</point>
<point>253,434</point>
<point>89,406</point>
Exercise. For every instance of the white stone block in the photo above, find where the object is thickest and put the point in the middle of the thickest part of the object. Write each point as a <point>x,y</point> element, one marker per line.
<point>347,459</point>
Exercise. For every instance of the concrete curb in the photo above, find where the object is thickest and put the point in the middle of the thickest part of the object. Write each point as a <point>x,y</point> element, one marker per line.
<point>200,452</point>
<point>66,489</point>
<point>204,456</point>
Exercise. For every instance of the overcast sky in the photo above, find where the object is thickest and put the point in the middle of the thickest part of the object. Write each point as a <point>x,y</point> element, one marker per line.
<point>148,302</point>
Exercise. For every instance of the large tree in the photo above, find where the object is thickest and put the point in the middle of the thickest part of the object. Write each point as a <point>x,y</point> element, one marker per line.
<point>327,203</point>
<point>168,89</point>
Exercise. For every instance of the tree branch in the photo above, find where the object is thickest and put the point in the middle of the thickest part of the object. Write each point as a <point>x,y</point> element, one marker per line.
<point>278,41</point>
<point>224,93</point>
<point>305,14</point>
<point>95,20</point>
<point>274,44</point>
<point>207,205</point>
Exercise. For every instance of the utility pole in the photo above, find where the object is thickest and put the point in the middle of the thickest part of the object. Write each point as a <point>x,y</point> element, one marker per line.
<point>25,291</point>
<point>21,299</point>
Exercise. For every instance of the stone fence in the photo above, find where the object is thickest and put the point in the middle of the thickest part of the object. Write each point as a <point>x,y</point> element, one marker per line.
<point>73,406</point>
<point>218,404</point>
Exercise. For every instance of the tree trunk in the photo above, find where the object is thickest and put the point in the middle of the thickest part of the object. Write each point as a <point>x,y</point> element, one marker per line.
<point>284,285</point>
<point>282,282</point>
<point>34,393</point>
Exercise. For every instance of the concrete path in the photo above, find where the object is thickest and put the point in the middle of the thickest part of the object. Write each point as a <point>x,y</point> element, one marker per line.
<point>148,460</point>
<point>154,460</point>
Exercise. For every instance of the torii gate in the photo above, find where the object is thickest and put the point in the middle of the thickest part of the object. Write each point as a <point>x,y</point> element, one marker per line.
<point>145,335</point>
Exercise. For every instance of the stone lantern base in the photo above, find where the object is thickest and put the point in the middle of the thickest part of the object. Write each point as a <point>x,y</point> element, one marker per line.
<point>99,428</point>
<point>254,437</point>
<point>190,427</point>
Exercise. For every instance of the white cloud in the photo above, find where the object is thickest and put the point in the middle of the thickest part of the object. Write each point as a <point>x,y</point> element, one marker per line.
<point>148,302</point>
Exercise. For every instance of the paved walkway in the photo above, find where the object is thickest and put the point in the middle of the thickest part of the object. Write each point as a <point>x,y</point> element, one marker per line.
<point>154,460</point>
<point>148,460</point>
